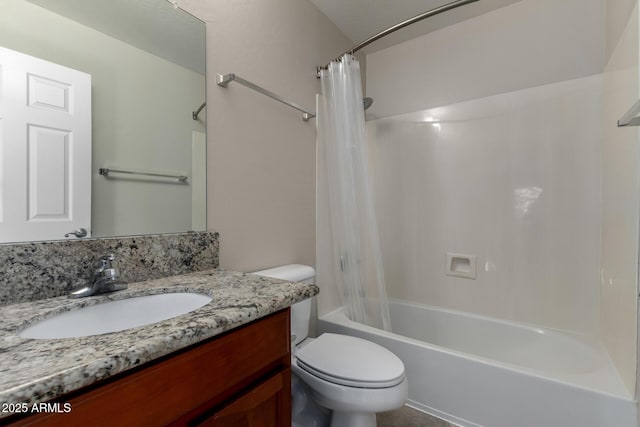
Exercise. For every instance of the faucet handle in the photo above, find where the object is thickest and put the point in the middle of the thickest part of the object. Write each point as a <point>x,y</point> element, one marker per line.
<point>104,279</point>
<point>104,262</point>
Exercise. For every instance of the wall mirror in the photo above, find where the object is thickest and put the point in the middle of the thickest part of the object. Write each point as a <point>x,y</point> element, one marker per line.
<point>87,85</point>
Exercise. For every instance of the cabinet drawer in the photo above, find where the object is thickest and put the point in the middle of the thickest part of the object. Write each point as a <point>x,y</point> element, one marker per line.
<point>201,376</point>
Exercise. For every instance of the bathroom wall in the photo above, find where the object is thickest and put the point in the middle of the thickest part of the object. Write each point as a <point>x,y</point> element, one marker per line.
<point>621,197</point>
<point>121,207</point>
<point>529,43</point>
<point>618,13</point>
<point>261,155</point>
<point>511,176</point>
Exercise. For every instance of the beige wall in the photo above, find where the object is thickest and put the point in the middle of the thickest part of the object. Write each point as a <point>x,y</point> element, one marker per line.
<point>261,155</point>
<point>620,201</point>
<point>618,13</point>
<point>529,43</point>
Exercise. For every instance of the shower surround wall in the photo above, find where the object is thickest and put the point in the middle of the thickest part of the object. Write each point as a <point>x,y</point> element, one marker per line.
<point>518,186</point>
<point>512,179</point>
<point>511,154</point>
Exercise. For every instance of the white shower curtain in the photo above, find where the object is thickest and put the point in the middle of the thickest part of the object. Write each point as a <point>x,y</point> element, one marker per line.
<point>342,149</point>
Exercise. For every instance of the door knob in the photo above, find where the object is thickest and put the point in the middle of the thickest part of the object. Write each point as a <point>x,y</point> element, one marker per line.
<point>80,232</point>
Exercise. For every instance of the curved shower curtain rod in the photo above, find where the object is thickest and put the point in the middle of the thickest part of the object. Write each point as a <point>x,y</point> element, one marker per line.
<point>428,14</point>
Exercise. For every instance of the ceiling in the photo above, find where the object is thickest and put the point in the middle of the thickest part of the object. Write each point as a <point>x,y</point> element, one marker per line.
<point>361,19</point>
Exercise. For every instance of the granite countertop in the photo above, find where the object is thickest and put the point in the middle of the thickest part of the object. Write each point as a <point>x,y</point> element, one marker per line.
<point>39,370</point>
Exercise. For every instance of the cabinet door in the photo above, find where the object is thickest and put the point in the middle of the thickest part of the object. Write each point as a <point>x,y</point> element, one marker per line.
<point>267,405</point>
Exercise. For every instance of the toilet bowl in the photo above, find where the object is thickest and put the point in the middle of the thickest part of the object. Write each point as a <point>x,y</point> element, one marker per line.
<point>351,377</point>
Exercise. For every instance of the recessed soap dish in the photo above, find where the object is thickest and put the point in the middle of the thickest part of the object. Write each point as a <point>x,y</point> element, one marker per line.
<point>460,265</point>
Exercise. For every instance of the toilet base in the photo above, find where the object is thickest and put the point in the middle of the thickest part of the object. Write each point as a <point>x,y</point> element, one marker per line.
<point>353,419</point>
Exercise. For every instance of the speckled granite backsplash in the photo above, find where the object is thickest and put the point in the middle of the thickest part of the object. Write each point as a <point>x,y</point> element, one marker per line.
<point>32,271</point>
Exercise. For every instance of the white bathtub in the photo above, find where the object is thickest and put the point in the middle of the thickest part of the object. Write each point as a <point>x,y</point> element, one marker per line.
<point>477,371</point>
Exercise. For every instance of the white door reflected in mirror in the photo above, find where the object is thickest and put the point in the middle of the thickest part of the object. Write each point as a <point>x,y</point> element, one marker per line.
<point>45,134</point>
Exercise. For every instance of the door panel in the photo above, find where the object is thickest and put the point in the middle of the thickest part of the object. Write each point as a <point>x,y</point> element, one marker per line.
<point>49,169</point>
<point>48,94</point>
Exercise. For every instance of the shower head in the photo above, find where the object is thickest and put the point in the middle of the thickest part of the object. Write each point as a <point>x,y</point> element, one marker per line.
<point>367,102</point>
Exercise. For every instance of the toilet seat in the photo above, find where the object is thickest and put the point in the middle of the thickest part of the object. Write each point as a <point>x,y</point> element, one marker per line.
<point>351,361</point>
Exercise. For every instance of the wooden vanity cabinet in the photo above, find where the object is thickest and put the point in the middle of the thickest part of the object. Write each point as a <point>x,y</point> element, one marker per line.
<point>239,379</point>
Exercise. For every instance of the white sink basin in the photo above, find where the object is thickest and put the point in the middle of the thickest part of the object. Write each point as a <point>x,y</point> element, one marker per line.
<point>115,316</point>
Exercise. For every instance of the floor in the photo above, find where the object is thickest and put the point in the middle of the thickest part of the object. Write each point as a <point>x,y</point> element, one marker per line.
<point>408,417</point>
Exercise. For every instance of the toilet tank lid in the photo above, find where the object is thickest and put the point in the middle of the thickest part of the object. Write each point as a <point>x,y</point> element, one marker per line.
<point>291,272</point>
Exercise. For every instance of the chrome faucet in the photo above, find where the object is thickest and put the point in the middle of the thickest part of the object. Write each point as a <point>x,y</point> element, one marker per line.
<point>104,279</point>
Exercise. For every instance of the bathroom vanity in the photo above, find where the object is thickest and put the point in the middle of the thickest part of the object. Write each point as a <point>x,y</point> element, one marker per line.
<point>227,363</point>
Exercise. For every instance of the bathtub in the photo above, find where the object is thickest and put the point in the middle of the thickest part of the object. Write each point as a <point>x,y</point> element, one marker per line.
<point>478,371</point>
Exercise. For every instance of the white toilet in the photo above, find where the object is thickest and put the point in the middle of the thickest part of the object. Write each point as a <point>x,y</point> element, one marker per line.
<point>351,377</point>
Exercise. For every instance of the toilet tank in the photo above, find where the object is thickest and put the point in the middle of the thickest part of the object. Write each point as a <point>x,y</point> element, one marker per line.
<point>301,311</point>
